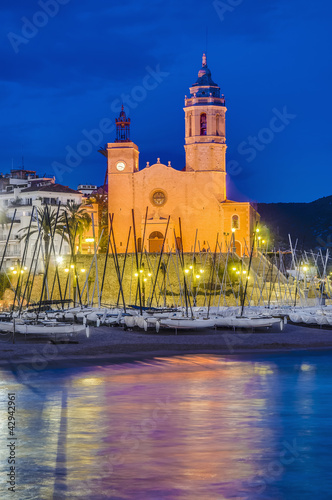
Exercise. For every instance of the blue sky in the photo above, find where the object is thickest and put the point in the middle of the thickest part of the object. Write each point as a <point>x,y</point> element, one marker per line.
<point>65,71</point>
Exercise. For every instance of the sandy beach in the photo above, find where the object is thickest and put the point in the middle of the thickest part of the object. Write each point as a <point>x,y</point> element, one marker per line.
<point>113,344</point>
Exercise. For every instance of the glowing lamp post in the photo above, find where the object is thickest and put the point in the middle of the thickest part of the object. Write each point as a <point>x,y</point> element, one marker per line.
<point>233,235</point>
<point>142,282</point>
<point>196,276</point>
<point>305,269</point>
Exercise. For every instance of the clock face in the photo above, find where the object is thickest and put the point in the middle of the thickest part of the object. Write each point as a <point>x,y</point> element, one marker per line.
<point>121,165</point>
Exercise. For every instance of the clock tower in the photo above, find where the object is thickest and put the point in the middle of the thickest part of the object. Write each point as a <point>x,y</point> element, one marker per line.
<point>122,160</point>
<point>122,154</point>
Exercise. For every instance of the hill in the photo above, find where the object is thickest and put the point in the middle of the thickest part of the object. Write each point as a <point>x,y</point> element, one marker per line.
<point>311,222</point>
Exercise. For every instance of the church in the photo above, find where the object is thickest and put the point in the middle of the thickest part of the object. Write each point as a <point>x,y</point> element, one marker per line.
<point>195,195</point>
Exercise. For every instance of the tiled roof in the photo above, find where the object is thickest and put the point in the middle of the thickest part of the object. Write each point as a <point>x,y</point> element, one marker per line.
<point>50,188</point>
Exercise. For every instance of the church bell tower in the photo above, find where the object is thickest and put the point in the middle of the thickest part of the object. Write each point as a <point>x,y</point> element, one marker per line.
<point>122,154</point>
<point>205,137</point>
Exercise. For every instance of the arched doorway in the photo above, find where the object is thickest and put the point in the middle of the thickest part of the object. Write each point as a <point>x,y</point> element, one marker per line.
<point>238,248</point>
<point>155,242</point>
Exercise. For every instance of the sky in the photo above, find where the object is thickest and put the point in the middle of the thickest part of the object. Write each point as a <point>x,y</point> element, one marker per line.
<point>66,65</point>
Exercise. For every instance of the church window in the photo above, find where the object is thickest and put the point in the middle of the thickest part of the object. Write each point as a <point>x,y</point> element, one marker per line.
<point>159,198</point>
<point>203,124</point>
<point>189,126</point>
<point>235,222</point>
<point>217,124</point>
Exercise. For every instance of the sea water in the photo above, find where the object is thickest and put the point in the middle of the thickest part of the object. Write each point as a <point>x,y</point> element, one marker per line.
<point>188,427</point>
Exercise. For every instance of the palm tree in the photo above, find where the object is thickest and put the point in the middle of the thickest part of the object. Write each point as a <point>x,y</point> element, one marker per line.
<point>48,224</point>
<point>78,220</point>
<point>102,202</point>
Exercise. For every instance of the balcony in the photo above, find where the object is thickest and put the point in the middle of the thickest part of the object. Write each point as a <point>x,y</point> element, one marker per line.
<point>12,253</point>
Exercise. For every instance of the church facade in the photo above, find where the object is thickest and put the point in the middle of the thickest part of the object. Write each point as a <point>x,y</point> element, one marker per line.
<point>191,204</point>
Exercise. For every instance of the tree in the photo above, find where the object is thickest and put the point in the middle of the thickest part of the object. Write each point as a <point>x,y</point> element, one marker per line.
<point>4,284</point>
<point>17,202</point>
<point>4,219</point>
<point>78,219</point>
<point>48,223</point>
<point>102,202</point>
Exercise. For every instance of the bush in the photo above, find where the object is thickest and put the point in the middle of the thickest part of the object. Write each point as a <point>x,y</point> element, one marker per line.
<point>4,284</point>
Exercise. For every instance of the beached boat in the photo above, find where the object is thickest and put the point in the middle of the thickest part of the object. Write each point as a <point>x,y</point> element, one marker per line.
<point>186,323</point>
<point>47,328</point>
<point>250,322</point>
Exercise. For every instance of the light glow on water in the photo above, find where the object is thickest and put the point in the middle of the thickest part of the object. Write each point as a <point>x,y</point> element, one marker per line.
<point>182,427</point>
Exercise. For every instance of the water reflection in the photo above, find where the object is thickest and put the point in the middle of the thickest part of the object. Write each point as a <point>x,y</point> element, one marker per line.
<point>184,427</point>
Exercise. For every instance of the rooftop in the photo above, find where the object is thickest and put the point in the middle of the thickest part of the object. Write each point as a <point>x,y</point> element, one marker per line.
<point>50,188</point>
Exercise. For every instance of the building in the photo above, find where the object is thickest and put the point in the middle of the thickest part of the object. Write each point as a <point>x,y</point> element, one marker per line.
<point>21,190</point>
<point>86,189</point>
<point>196,194</point>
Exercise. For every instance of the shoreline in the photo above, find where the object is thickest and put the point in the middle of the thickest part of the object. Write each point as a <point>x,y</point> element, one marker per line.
<point>115,346</point>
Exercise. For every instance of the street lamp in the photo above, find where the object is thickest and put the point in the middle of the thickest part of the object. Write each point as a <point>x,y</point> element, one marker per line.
<point>233,234</point>
<point>226,234</point>
<point>305,269</point>
<point>140,274</point>
<point>196,276</point>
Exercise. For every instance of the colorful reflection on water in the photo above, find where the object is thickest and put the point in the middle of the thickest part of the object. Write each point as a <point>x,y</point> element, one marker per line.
<point>185,427</point>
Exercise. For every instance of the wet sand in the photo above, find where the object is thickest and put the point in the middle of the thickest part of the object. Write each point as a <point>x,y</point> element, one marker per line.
<point>114,345</point>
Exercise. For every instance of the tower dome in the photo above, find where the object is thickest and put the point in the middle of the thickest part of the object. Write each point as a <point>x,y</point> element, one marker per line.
<point>204,84</point>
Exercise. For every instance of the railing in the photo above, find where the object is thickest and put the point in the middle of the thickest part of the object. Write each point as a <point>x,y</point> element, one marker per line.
<point>13,253</point>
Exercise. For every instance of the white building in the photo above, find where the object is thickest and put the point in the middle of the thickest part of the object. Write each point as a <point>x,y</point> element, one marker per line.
<point>87,189</point>
<point>21,190</point>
